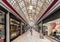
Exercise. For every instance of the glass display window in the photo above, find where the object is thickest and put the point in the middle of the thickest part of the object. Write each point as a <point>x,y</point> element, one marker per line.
<point>14,28</point>
<point>2,26</point>
<point>53,28</point>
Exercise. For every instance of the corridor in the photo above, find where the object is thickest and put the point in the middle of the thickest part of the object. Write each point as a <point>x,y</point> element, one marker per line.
<point>29,20</point>
<point>27,37</point>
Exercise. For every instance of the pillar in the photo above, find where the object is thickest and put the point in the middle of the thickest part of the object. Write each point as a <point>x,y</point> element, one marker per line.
<point>7,28</point>
<point>41,31</point>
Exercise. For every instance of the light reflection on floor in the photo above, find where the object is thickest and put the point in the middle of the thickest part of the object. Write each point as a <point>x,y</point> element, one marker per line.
<point>27,37</point>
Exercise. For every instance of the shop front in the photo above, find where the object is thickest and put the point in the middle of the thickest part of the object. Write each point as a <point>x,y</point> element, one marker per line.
<point>2,26</point>
<point>15,27</point>
<point>52,23</point>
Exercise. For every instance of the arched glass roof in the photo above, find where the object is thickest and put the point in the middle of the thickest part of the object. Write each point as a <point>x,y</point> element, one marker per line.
<point>31,9</point>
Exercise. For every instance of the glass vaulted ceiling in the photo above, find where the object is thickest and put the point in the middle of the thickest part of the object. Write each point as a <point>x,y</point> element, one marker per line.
<point>39,7</point>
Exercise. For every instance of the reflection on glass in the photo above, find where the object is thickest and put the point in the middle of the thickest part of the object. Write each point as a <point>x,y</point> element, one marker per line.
<point>14,28</point>
<point>2,26</point>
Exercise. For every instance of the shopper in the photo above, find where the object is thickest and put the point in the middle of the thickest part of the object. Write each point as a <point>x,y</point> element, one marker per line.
<point>31,30</point>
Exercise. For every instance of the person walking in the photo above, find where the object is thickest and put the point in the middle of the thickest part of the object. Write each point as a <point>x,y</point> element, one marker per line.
<point>31,31</point>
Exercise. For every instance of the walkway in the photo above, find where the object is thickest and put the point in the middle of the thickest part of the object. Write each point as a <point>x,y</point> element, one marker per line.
<point>27,37</point>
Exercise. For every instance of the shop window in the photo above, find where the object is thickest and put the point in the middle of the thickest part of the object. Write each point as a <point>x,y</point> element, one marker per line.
<point>14,28</point>
<point>2,27</point>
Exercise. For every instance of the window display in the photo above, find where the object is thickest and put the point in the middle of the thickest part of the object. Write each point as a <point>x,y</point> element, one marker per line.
<point>14,28</point>
<point>2,27</point>
<point>53,28</point>
<point>13,31</point>
<point>23,29</point>
<point>45,30</point>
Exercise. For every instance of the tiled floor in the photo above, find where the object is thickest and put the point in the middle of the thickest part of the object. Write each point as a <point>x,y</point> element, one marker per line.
<point>27,37</point>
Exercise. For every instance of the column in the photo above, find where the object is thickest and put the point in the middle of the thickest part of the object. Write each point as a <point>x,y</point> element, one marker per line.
<point>21,28</point>
<point>25,27</point>
<point>7,28</point>
<point>42,27</point>
<point>41,31</point>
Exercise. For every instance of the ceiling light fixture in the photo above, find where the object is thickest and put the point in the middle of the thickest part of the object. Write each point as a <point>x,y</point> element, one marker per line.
<point>30,7</point>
